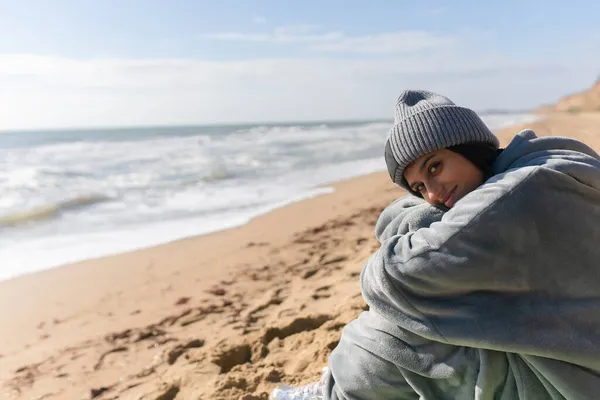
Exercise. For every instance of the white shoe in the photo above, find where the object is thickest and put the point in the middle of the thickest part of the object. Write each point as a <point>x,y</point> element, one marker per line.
<point>312,391</point>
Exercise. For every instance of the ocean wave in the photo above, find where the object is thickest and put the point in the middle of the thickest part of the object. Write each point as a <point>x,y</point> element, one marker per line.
<point>47,212</point>
<point>217,174</point>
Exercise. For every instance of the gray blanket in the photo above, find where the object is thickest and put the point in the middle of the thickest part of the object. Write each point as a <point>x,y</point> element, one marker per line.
<point>498,298</point>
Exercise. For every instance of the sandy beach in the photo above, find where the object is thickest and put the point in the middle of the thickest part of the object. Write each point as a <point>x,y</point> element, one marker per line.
<point>223,316</point>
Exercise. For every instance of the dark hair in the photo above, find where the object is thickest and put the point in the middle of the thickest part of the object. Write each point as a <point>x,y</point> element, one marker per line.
<point>482,155</point>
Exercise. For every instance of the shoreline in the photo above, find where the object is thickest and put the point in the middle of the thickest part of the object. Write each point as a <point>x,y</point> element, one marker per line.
<point>333,188</point>
<point>317,191</point>
<point>215,316</point>
<point>320,190</point>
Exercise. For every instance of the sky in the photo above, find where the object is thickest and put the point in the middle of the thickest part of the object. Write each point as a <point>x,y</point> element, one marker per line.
<point>84,63</point>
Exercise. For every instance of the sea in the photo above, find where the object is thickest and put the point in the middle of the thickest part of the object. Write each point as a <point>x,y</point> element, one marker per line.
<point>71,195</point>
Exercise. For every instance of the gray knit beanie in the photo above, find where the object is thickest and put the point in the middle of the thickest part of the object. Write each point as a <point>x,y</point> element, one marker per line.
<point>425,122</point>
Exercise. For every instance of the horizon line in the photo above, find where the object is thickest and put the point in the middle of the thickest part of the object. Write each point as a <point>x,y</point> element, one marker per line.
<point>236,124</point>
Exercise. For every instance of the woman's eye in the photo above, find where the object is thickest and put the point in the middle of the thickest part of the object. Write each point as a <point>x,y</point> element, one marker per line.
<point>433,168</point>
<point>420,188</point>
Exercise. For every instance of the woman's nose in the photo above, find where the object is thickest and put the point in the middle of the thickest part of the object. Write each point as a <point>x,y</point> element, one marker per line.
<point>435,192</point>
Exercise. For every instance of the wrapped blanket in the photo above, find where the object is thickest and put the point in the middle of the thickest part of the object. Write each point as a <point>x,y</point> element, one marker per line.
<point>497,298</point>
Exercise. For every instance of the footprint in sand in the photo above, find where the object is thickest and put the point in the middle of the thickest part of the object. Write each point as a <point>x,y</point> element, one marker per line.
<point>180,349</point>
<point>227,357</point>
<point>322,292</point>
<point>182,300</point>
<point>106,353</point>
<point>98,392</point>
<point>361,240</point>
<point>257,244</point>
<point>256,310</point>
<point>217,291</point>
<point>332,258</point>
<point>297,325</point>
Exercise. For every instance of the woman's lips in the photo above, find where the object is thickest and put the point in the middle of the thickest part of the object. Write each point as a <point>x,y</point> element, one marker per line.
<point>449,199</point>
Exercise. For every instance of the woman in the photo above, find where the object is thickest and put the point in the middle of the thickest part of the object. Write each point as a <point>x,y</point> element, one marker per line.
<point>488,289</point>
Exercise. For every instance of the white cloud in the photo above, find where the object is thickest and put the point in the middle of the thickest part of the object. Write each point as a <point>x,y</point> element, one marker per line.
<point>388,43</point>
<point>259,20</point>
<point>285,34</point>
<point>338,42</point>
<point>297,29</point>
<point>42,91</point>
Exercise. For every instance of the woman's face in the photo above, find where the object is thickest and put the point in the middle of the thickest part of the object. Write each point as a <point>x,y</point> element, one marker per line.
<point>443,177</point>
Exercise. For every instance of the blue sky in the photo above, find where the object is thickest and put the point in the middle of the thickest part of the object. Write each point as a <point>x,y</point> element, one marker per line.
<point>109,63</point>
